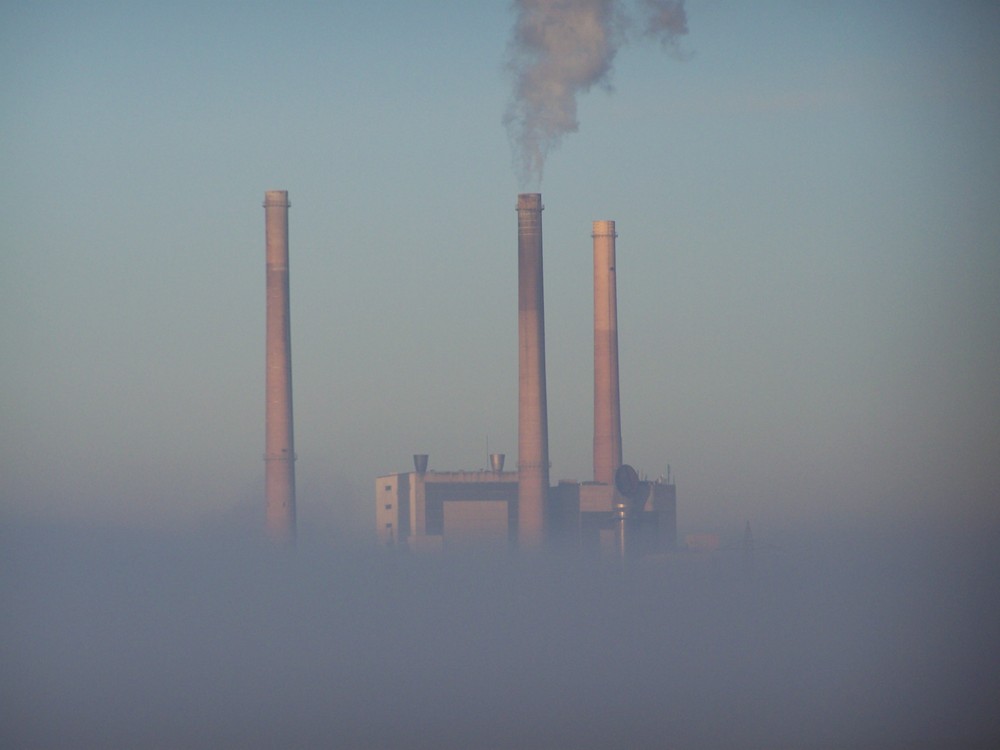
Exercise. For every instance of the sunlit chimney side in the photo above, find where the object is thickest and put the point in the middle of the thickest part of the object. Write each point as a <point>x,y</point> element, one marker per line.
<point>279,445</point>
<point>607,404</point>
<point>532,418</point>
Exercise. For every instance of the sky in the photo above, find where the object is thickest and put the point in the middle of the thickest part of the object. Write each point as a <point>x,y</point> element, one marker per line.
<point>808,268</point>
<point>808,258</point>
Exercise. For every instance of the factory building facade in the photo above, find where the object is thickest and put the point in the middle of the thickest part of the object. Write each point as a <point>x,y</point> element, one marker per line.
<point>435,511</point>
<point>432,511</point>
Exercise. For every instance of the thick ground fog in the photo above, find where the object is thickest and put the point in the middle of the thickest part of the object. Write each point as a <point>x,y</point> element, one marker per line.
<point>125,639</point>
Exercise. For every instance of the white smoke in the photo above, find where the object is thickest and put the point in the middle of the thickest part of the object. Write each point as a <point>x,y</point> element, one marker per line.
<point>561,48</point>
<point>665,20</point>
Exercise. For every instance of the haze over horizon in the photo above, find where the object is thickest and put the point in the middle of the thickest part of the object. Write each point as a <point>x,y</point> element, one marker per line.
<point>808,271</point>
<point>808,265</point>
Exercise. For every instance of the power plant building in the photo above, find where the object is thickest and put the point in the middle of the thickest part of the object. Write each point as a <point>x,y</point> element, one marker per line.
<point>433,511</point>
<point>429,510</point>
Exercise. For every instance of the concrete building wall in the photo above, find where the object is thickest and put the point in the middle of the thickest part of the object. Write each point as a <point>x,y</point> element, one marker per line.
<point>392,509</point>
<point>564,515</point>
<point>417,504</point>
<point>414,508</point>
<point>476,524</point>
<point>663,502</point>
<point>386,510</point>
<point>596,498</point>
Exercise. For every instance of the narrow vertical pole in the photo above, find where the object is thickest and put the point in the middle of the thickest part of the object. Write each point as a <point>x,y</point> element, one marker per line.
<point>607,404</point>
<point>279,445</point>
<point>533,439</point>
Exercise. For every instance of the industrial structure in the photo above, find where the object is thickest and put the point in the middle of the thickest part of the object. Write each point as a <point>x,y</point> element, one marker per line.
<point>607,399</point>
<point>532,409</point>
<point>616,513</point>
<point>279,443</point>
<point>471,508</point>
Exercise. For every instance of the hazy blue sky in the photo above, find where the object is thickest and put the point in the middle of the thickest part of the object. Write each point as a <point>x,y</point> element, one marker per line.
<point>808,256</point>
<point>807,196</point>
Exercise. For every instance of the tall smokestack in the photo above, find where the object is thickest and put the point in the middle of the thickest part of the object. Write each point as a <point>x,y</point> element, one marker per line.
<point>279,445</point>
<point>532,413</point>
<point>607,406</point>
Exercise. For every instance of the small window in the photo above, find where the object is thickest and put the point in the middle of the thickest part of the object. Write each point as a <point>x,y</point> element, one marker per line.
<point>388,488</point>
<point>388,525</point>
<point>388,506</point>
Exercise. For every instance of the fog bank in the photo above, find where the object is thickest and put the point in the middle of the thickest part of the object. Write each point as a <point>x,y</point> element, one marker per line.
<point>115,638</point>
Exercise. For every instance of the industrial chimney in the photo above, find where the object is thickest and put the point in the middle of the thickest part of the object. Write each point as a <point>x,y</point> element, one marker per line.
<point>279,446</point>
<point>532,415</point>
<point>607,405</point>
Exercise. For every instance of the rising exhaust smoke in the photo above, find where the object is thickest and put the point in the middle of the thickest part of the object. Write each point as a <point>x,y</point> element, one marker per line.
<point>561,48</point>
<point>665,20</point>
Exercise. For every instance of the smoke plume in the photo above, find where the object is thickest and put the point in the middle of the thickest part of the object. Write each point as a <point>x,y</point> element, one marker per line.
<point>561,48</point>
<point>665,20</point>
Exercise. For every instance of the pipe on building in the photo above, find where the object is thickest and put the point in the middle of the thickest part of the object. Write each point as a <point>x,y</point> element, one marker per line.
<point>607,403</point>
<point>279,445</point>
<point>532,431</point>
<point>420,463</point>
